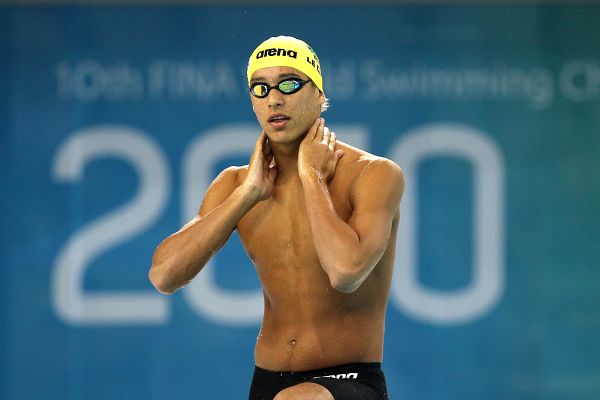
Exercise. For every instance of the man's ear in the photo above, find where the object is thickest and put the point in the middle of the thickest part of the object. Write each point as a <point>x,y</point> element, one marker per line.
<point>323,101</point>
<point>321,97</point>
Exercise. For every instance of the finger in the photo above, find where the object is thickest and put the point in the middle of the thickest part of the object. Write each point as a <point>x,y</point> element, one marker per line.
<point>272,172</point>
<point>266,149</point>
<point>319,132</point>
<point>312,132</point>
<point>336,159</point>
<point>268,154</point>
<point>332,141</point>
<point>325,135</point>
<point>261,139</point>
<point>258,147</point>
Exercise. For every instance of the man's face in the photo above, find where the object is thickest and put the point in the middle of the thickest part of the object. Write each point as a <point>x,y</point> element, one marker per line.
<point>299,110</point>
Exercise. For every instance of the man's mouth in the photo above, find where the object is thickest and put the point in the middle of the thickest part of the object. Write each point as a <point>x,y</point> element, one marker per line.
<point>278,121</point>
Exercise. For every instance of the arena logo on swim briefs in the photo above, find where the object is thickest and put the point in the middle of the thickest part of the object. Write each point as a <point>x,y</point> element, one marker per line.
<point>351,375</point>
<point>276,52</point>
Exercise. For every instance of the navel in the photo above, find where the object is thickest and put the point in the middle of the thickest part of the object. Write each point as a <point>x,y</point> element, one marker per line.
<point>291,347</point>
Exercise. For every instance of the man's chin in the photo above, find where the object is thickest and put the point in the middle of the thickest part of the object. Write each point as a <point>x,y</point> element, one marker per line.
<point>283,136</point>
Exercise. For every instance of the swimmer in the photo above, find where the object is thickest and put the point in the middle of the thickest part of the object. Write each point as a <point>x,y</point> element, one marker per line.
<point>318,218</point>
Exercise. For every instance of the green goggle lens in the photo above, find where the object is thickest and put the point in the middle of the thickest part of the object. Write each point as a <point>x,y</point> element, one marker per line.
<point>289,86</point>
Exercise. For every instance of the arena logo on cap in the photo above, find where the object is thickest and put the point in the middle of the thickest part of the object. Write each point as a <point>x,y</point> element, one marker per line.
<point>276,52</point>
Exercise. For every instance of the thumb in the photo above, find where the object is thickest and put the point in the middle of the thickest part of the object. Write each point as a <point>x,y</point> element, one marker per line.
<point>338,154</point>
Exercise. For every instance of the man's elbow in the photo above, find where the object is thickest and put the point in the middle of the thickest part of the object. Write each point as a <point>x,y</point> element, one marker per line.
<point>160,282</point>
<point>346,280</point>
<point>348,275</point>
<point>344,286</point>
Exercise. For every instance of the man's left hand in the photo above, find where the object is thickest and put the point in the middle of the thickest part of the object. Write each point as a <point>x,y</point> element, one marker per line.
<point>317,157</point>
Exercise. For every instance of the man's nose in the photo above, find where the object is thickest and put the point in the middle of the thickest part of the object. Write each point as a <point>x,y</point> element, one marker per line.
<point>275,98</point>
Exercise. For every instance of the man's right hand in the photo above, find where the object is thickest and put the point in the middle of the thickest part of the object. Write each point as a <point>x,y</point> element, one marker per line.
<point>262,169</point>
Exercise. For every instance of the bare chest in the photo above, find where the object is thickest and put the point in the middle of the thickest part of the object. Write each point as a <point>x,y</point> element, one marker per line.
<point>276,233</point>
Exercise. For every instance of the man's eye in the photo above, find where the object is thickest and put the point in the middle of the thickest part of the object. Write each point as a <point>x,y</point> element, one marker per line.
<point>260,90</point>
<point>288,86</point>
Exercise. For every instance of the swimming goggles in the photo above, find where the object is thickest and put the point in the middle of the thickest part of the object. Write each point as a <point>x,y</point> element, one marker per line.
<point>287,86</point>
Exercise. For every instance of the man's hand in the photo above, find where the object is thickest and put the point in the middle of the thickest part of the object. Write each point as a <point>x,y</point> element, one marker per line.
<point>262,169</point>
<point>317,157</point>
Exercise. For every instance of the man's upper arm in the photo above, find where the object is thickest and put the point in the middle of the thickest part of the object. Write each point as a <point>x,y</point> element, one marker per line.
<point>375,198</point>
<point>219,190</point>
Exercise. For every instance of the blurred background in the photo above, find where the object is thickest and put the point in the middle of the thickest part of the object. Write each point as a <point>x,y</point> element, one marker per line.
<point>114,118</point>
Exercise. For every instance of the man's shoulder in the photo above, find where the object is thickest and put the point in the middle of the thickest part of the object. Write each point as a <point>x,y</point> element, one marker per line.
<point>233,171</point>
<point>363,162</point>
<point>369,173</point>
<point>231,177</point>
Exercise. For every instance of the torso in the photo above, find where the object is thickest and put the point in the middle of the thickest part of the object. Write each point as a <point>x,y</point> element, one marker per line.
<point>307,324</point>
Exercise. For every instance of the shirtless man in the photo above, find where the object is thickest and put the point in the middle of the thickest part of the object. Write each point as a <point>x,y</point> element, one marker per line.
<point>318,219</point>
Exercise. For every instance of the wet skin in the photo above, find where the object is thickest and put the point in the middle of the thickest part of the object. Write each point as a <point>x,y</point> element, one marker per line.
<point>318,218</point>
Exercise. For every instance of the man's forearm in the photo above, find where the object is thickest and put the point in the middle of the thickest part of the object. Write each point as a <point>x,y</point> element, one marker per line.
<point>179,258</point>
<point>337,243</point>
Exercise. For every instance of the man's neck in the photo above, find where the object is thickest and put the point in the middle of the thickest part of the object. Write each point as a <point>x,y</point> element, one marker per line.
<point>286,158</point>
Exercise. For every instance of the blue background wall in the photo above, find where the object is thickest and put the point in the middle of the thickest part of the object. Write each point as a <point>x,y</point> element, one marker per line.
<point>113,121</point>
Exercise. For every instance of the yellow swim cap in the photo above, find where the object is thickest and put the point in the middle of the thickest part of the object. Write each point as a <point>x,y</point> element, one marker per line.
<point>286,51</point>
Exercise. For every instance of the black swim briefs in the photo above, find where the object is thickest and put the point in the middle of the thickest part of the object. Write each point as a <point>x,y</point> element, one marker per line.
<point>361,381</point>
